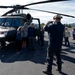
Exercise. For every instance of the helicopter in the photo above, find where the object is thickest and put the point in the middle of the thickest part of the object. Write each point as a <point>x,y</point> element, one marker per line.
<point>9,22</point>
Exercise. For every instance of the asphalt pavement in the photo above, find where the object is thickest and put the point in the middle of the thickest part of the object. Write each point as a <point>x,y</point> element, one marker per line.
<point>33,62</point>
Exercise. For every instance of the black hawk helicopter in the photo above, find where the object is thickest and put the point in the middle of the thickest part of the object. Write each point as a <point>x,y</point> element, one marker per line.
<point>9,22</point>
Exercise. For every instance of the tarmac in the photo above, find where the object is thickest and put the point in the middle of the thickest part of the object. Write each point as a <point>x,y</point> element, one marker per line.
<point>33,62</point>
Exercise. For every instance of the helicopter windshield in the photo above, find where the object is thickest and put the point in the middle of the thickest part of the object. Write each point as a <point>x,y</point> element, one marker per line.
<point>11,22</point>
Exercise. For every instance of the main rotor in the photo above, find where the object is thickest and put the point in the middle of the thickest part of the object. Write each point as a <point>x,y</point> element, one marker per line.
<point>19,8</point>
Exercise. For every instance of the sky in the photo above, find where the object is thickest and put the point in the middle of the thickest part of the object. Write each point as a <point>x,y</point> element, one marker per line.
<point>64,7</point>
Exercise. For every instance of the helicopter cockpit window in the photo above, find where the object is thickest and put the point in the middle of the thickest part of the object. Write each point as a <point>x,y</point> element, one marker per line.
<point>17,22</point>
<point>1,21</point>
<point>11,22</point>
<point>2,24</point>
<point>7,24</point>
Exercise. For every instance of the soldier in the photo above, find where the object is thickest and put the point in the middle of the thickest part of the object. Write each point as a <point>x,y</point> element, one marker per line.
<point>56,31</point>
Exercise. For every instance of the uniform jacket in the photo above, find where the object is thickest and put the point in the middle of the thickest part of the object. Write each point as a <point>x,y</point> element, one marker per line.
<point>56,34</point>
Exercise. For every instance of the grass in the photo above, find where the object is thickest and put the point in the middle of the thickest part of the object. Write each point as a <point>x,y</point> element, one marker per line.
<point>70,29</point>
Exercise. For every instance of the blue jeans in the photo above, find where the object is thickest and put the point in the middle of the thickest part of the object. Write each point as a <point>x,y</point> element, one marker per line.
<point>67,43</point>
<point>31,43</point>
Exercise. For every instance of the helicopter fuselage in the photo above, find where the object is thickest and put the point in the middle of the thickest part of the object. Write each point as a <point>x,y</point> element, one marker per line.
<point>10,23</point>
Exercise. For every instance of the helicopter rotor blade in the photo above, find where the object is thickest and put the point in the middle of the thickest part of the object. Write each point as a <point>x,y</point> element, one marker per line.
<point>40,11</point>
<point>22,7</point>
<point>6,6</point>
<point>3,6</point>
<point>9,12</point>
<point>41,2</point>
<point>50,12</point>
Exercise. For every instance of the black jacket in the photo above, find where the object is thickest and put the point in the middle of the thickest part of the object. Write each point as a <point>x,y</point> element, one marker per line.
<point>56,34</point>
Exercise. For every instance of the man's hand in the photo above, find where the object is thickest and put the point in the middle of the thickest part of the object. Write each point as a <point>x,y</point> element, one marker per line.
<point>49,23</point>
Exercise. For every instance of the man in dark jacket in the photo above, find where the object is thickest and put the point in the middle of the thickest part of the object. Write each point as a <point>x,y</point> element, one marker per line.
<point>31,36</point>
<point>56,36</point>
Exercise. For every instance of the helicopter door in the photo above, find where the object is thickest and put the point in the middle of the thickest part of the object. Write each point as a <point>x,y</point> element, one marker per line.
<point>36,22</point>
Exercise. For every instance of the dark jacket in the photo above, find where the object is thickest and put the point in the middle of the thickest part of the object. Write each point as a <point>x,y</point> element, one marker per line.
<point>18,35</point>
<point>42,33</point>
<point>56,34</point>
<point>31,32</point>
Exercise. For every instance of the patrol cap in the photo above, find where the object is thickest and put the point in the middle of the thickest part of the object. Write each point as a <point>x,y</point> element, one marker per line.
<point>57,16</point>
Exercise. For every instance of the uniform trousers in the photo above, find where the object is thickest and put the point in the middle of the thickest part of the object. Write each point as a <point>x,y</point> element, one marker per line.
<point>51,52</point>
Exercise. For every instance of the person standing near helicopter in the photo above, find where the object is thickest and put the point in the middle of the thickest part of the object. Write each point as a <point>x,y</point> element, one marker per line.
<point>19,39</point>
<point>66,36</point>
<point>25,35</point>
<point>31,37</point>
<point>56,31</point>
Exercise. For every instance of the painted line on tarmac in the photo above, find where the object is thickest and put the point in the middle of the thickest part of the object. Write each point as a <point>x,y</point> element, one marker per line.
<point>14,56</point>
